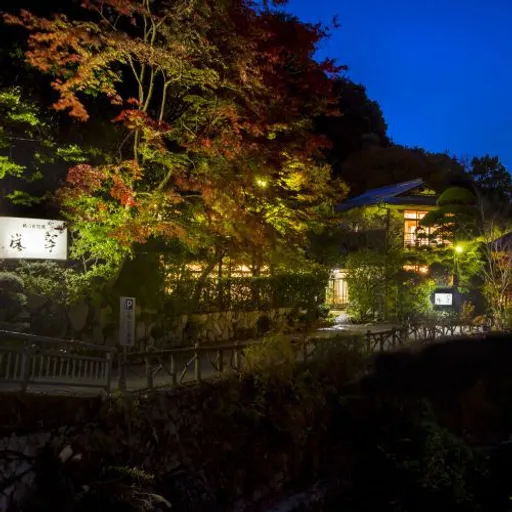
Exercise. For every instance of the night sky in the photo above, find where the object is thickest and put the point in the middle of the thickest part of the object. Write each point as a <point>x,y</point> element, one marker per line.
<point>441,70</point>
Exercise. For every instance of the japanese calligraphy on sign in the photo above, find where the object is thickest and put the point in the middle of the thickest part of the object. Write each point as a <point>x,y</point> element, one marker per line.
<point>33,239</point>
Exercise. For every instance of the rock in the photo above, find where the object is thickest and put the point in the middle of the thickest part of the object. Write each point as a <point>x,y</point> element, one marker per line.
<point>77,315</point>
<point>141,330</point>
<point>241,322</point>
<point>97,335</point>
<point>35,302</point>
<point>104,316</point>
<point>217,329</point>
<point>253,317</point>
<point>199,319</point>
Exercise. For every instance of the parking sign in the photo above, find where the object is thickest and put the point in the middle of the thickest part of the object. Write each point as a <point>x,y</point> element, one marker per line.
<point>127,321</point>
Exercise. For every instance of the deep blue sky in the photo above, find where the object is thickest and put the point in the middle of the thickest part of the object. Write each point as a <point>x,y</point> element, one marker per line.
<point>440,69</point>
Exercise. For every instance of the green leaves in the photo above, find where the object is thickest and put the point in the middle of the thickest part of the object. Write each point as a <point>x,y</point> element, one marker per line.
<point>10,168</point>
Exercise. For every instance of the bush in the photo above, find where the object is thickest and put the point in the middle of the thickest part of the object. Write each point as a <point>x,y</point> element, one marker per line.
<point>413,297</point>
<point>302,290</point>
<point>13,301</point>
<point>467,313</point>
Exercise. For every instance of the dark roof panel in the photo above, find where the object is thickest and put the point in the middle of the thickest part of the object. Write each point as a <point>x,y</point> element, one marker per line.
<point>391,194</point>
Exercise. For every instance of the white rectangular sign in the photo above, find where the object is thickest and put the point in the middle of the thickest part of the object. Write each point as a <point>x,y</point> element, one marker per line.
<point>127,321</point>
<point>33,239</point>
<point>443,299</point>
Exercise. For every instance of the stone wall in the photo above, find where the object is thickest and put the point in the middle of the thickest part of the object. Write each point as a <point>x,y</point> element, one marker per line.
<point>96,325</point>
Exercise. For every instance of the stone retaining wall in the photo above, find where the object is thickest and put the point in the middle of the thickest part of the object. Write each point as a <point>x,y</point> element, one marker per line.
<point>98,326</point>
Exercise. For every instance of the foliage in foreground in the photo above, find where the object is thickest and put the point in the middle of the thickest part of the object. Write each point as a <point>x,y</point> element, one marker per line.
<point>388,453</point>
<point>408,462</point>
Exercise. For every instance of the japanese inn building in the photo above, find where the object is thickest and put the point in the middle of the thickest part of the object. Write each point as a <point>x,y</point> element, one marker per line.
<point>411,200</point>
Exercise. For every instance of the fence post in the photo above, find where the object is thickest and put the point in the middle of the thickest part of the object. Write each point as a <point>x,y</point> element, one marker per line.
<point>25,366</point>
<point>108,384</point>
<point>220,361</point>
<point>149,372</point>
<point>123,360</point>
<point>382,337</point>
<point>368,340</point>
<point>197,363</point>
<point>404,334</point>
<point>236,356</point>
<point>393,337</point>
<point>174,377</point>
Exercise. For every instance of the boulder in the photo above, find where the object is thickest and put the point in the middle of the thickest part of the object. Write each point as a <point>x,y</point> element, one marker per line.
<point>97,335</point>
<point>36,302</point>
<point>77,314</point>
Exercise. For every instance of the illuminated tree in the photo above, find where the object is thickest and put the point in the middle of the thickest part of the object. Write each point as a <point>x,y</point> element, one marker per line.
<point>213,102</point>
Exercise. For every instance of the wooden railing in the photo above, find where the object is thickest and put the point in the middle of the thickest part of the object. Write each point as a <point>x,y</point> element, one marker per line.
<point>187,364</point>
<point>28,361</point>
<point>194,364</point>
<point>38,361</point>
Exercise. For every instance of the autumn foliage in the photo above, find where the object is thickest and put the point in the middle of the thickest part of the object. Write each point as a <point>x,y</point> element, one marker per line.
<point>213,102</point>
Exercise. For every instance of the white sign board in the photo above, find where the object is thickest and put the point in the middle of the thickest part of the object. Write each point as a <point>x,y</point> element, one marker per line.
<point>33,239</point>
<point>127,321</point>
<point>443,299</point>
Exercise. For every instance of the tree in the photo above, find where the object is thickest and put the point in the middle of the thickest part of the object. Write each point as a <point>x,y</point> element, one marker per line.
<point>455,219</point>
<point>495,266</point>
<point>359,126</point>
<point>380,287</point>
<point>29,151</point>
<point>25,144</point>
<point>492,180</point>
<point>214,107</point>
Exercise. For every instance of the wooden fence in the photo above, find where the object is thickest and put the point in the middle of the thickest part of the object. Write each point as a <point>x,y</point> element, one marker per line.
<point>193,364</point>
<point>28,361</point>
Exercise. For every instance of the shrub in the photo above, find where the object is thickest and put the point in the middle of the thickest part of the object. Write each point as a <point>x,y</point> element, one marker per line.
<point>13,301</point>
<point>467,313</point>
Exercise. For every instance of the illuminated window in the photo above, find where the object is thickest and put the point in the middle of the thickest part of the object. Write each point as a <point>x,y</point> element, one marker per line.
<point>338,288</point>
<point>422,269</point>
<point>413,233</point>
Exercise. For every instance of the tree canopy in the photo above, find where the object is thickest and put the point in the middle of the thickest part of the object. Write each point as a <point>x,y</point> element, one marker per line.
<point>213,109</point>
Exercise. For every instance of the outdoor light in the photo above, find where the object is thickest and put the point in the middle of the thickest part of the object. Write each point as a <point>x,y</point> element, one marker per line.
<point>459,249</point>
<point>262,183</point>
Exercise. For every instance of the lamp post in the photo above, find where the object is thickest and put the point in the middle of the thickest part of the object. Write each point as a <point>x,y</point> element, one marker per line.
<point>458,249</point>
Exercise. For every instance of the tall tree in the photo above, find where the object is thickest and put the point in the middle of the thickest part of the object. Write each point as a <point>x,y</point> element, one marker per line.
<point>215,102</point>
<point>359,126</point>
<point>492,179</point>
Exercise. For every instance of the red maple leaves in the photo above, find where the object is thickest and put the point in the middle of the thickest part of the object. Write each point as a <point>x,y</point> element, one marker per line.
<point>210,95</point>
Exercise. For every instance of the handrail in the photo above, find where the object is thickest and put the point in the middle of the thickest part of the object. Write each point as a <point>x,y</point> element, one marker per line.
<point>35,338</point>
<point>193,348</point>
<point>31,364</point>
